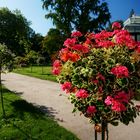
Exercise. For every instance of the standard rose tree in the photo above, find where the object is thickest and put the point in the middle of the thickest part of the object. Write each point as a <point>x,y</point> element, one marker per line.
<point>101,74</point>
<point>6,62</point>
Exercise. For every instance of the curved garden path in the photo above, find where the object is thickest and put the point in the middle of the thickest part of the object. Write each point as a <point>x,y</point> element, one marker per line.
<point>50,98</point>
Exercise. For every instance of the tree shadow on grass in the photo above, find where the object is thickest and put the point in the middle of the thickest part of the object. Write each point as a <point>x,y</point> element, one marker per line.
<point>50,112</point>
<point>7,91</point>
<point>22,106</point>
<point>36,111</point>
<point>19,111</point>
<point>4,90</point>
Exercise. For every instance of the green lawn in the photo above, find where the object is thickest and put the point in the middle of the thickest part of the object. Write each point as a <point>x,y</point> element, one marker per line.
<point>26,122</point>
<point>37,71</point>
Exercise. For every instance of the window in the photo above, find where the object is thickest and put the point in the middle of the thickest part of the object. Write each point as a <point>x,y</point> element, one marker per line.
<point>138,37</point>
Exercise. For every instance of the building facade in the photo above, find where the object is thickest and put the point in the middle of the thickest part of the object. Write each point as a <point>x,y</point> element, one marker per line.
<point>132,24</point>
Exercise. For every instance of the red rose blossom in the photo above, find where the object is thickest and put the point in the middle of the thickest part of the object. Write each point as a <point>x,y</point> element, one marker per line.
<point>117,103</point>
<point>56,67</point>
<point>123,38</point>
<point>56,71</point>
<point>66,86</point>
<point>116,25</point>
<point>106,43</point>
<point>120,71</point>
<point>81,48</point>
<point>118,106</point>
<point>122,96</point>
<point>76,34</point>
<point>82,93</point>
<point>103,35</point>
<point>108,100</point>
<point>91,109</point>
<point>69,42</point>
<point>138,49</point>
<point>57,63</point>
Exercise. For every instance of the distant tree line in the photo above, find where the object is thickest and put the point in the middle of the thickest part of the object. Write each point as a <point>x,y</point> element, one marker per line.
<point>20,38</point>
<point>67,15</point>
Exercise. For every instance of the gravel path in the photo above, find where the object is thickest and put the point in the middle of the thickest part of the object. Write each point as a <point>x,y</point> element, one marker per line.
<point>51,99</point>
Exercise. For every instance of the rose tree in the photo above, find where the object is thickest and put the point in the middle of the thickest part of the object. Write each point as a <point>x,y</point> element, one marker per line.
<point>6,62</point>
<point>101,74</point>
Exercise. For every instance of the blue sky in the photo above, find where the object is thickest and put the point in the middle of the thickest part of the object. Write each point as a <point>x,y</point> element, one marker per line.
<point>32,10</point>
<point>120,9</point>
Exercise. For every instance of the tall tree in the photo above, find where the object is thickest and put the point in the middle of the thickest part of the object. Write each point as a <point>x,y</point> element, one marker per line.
<point>14,30</point>
<point>36,40</point>
<point>53,42</point>
<point>82,15</point>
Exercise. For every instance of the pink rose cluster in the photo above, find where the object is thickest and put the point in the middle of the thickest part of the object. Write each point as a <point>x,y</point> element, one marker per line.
<point>101,39</point>
<point>91,110</point>
<point>56,67</point>
<point>118,101</point>
<point>76,34</point>
<point>71,43</point>
<point>120,71</point>
<point>123,38</point>
<point>116,25</point>
<point>66,86</point>
<point>82,93</point>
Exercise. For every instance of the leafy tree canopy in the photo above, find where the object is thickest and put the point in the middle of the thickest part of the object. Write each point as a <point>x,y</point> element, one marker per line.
<point>53,41</point>
<point>14,30</point>
<point>82,15</point>
<point>36,40</point>
<point>6,58</point>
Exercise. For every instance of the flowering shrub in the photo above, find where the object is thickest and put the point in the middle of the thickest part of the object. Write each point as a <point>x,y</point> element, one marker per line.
<point>101,74</point>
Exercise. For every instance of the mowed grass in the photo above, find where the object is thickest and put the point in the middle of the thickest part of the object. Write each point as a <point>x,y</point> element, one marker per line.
<point>44,72</point>
<point>26,122</point>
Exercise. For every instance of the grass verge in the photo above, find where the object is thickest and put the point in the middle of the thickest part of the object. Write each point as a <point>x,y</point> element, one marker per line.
<point>38,72</point>
<point>26,122</point>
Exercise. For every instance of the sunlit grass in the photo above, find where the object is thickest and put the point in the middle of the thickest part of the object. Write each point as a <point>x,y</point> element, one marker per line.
<point>26,122</point>
<point>44,72</point>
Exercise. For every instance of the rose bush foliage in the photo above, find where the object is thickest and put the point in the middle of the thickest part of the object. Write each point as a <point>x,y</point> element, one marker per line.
<point>101,74</point>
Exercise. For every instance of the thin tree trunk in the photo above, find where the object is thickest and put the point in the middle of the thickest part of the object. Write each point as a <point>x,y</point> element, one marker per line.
<point>95,135</point>
<point>104,131</point>
<point>1,94</point>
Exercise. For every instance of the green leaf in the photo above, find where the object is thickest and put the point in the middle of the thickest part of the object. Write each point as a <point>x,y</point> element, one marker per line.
<point>74,110</point>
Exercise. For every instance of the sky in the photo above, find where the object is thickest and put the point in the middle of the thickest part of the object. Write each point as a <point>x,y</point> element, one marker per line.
<point>32,10</point>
